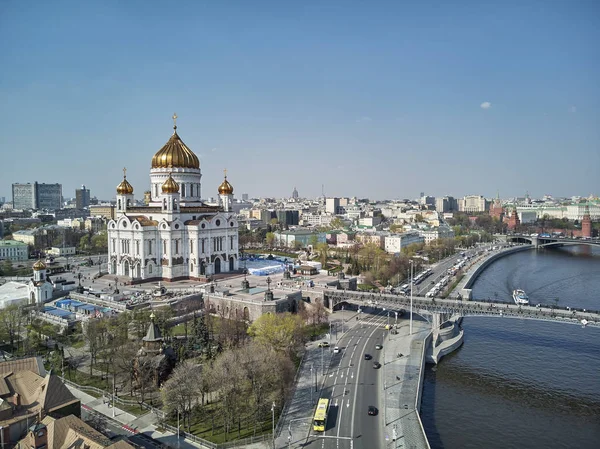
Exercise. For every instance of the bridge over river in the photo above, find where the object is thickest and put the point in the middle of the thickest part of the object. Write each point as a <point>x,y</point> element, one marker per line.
<point>449,307</point>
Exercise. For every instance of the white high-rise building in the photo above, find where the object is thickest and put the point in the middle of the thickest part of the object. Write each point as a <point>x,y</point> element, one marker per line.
<point>176,236</point>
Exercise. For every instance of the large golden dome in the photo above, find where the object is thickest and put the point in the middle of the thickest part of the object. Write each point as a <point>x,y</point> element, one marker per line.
<point>225,188</point>
<point>175,153</point>
<point>170,185</point>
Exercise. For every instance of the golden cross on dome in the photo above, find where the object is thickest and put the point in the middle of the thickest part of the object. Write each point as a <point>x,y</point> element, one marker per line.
<point>225,171</point>
<point>174,121</point>
<point>124,172</point>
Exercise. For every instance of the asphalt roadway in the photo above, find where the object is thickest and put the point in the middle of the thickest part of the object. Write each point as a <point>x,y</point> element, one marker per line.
<point>353,384</point>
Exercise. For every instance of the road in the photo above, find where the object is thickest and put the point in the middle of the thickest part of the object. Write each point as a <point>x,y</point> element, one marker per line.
<point>352,384</point>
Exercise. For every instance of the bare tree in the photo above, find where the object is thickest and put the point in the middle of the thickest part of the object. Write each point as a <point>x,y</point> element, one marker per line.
<point>183,389</point>
<point>12,320</point>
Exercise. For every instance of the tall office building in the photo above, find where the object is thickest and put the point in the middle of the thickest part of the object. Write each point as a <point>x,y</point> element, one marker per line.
<point>446,204</point>
<point>473,203</point>
<point>37,196</point>
<point>49,196</point>
<point>23,196</point>
<point>82,198</point>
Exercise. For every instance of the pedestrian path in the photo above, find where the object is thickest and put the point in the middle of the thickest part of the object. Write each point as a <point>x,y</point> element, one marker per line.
<point>132,424</point>
<point>402,376</point>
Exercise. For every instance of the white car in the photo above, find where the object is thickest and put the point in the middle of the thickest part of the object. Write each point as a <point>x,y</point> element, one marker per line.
<point>336,350</point>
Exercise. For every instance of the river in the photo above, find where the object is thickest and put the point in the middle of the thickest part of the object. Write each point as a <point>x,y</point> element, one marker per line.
<point>522,383</point>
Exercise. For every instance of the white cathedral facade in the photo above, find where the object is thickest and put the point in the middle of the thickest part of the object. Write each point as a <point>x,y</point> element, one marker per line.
<point>175,236</point>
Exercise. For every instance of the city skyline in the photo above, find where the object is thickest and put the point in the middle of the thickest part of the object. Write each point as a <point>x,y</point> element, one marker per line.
<point>382,102</point>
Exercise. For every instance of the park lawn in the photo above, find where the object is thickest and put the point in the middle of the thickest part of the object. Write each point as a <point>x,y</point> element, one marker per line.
<point>179,330</point>
<point>201,426</point>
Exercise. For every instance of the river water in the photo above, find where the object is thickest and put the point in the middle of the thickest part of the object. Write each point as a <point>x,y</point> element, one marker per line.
<point>522,383</point>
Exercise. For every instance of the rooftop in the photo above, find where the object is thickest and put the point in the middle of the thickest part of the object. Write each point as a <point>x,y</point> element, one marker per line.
<point>6,243</point>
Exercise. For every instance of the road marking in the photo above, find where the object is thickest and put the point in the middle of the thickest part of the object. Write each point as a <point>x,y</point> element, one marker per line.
<point>341,410</point>
<point>356,386</point>
<point>333,437</point>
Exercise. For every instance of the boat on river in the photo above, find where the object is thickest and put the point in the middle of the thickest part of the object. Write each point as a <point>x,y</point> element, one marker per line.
<point>520,297</point>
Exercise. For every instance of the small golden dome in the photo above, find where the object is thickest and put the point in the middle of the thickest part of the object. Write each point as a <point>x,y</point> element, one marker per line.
<point>225,188</point>
<point>175,153</point>
<point>39,265</point>
<point>124,188</point>
<point>170,186</point>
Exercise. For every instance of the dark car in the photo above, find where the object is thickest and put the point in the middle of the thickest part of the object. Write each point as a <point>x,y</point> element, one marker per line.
<point>378,346</point>
<point>376,365</point>
<point>368,357</point>
<point>372,410</point>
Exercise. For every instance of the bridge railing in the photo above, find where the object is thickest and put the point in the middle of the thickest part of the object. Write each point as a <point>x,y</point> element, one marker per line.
<point>489,307</point>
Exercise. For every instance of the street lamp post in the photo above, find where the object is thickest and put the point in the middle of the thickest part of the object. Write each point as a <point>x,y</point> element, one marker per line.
<point>311,392</point>
<point>273,412</point>
<point>412,274</point>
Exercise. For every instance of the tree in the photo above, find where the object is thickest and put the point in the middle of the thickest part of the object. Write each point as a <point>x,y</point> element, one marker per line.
<point>313,240</point>
<point>12,320</point>
<point>181,392</point>
<point>336,223</point>
<point>281,332</point>
<point>100,241</point>
<point>6,268</point>
<point>323,249</point>
<point>84,242</point>
<point>124,364</point>
<point>94,335</point>
<point>270,239</point>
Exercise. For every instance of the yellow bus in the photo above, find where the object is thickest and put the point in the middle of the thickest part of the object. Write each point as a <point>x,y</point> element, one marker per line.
<point>320,420</point>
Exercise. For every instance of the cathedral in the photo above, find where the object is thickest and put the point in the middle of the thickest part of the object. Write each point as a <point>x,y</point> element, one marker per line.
<point>175,235</point>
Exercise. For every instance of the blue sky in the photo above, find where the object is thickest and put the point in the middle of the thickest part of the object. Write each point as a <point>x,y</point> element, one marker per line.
<point>372,99</point>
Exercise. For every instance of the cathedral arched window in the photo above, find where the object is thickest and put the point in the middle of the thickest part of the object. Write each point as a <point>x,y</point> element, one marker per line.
<point>119,204</point>
<point>182,189</point>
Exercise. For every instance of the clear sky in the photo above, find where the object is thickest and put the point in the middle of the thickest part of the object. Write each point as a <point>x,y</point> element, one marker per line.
<point>370,98</point>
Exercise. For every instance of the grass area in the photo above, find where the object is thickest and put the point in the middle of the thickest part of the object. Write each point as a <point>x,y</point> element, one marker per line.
<point>84,379</point>
<point>78,344</point>
<point>314,331</point>
<point>367,288</point>
<point>202,425</point>
<point>179,330</point>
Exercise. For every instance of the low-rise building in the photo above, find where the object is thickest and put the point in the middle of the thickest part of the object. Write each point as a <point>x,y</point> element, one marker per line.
<point>29,394</point>
<point>376,238</point>
<point>62,251</point>
<point>441,232</point>
<point>395,242</point>
<point>103,210</point>
<point>14,250</point>
<point>248,304</point>
<point>68,432</point>
<point>304,237</point>
<point>27,236</point>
